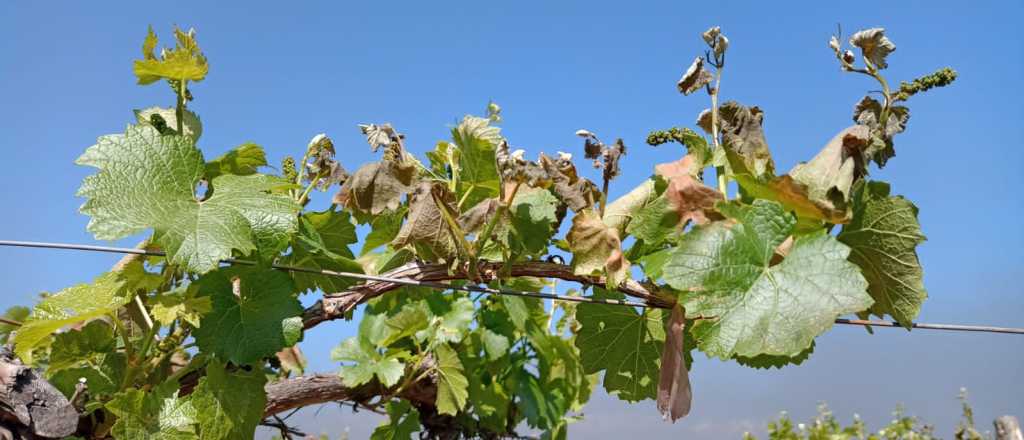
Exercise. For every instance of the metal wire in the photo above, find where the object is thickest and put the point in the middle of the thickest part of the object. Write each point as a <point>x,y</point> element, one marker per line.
<point>471,288</point>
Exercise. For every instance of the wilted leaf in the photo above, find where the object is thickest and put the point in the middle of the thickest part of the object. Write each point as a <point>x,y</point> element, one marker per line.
<point>688,197</point>
<point>426,229</point>
<point>884,235</point>
<point>576,192</point>
<point>596,248</point>
<point>868,112</point>
<point>831,174</point>
<point>695,77</point>
<point>743,136</point>
<point>674,395</point>
<point>377,187</point>
<point>874,45</point>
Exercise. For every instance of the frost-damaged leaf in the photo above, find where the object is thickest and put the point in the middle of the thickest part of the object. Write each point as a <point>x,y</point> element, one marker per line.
<point>575,191</point>
<point>184,62</point>
<point>229,404</point>
<point>695,77</point>
<point>82,302</point>
<point>452,386</point>
<point>250,326</point>
<point>884,235</point>
<point>157,414</point>
<point>692,200</point>
<point>767,361</point>
<point>743,137</point>
<point>146,180</point>
<point>755,307</point>
<point>477,142</point>
<point>426,229</point>
<point>829,177</point>
<point>377,187</point>
<point>597,248</point>
<point>165,120</point>
<point>242,160</point>
<point>868,112</point>
<point>674,394</point>
<point>619,213</point>
<point>874,45</point>
<point>322,243</point>
<point>403,421</point>
<point>474,220</point>
<point>624,342</point>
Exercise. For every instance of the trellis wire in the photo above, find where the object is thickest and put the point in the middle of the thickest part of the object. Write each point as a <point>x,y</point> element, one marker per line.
<point>469,288</point>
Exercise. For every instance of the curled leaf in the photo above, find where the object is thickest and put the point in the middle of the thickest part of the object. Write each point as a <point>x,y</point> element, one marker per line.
<point>743,134</point>
<point>695,77</point>
<point>704,120</point>
<point>596,247</point>
<point>575,191</point>
<point>674,394</point>
<point>874,45</point>
<point>868,112</point>
<point>688,197</point>
<point>380,135</point>
<point>426,229</point>
<point>831,174</point>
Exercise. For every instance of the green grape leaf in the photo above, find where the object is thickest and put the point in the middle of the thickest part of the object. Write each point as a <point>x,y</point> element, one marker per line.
<point>883,236</point>
<point>242,160</point>
<point>753,306</point>
<point>534,214</point>
<point>229,404</point>
<point>157,414</point>
<point>426,229</point>
<point>767,361</point>
<point>184,62</point>
<point>322,244</point>
<point>165,120</point>
<point>82,302</point>
<point>412,318</point>
<point>495,345</point>
<point>149,181</point>
<point>250,310</point>
<point>180,303</point>
<point>16,314</point>
<point>403,421</point>
<point>452,386</point>
<point>539,403</point>
<point>625,343</point>
<point>364,350</point>
<point>452,326</point>
<point>597,248</point>
<point>71,347</point>
<point>383,229</point>
<point>477,142</point>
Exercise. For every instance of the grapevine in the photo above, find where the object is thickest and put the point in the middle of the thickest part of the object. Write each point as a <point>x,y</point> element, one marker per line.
<point>198,334</point>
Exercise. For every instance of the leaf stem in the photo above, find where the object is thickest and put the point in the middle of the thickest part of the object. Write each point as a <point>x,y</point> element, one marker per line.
<point>723,180</point>
<point>309,188</point>
<point>180,110</point>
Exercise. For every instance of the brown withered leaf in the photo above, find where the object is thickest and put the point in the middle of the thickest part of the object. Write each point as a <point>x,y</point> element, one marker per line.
<point>691,199</point>
<point>875,45</point>
<point>377,187</point>
<point>743,134</point>
<point>830,175</point>
<point>596,248</point>
<point>426,229</point>
<point>575,191</point>
<point>292,360</point>
<point>674,393</point>
<point>695,77</point>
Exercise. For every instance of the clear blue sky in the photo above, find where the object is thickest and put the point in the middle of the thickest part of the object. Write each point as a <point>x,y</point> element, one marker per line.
<point>280,73</point>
